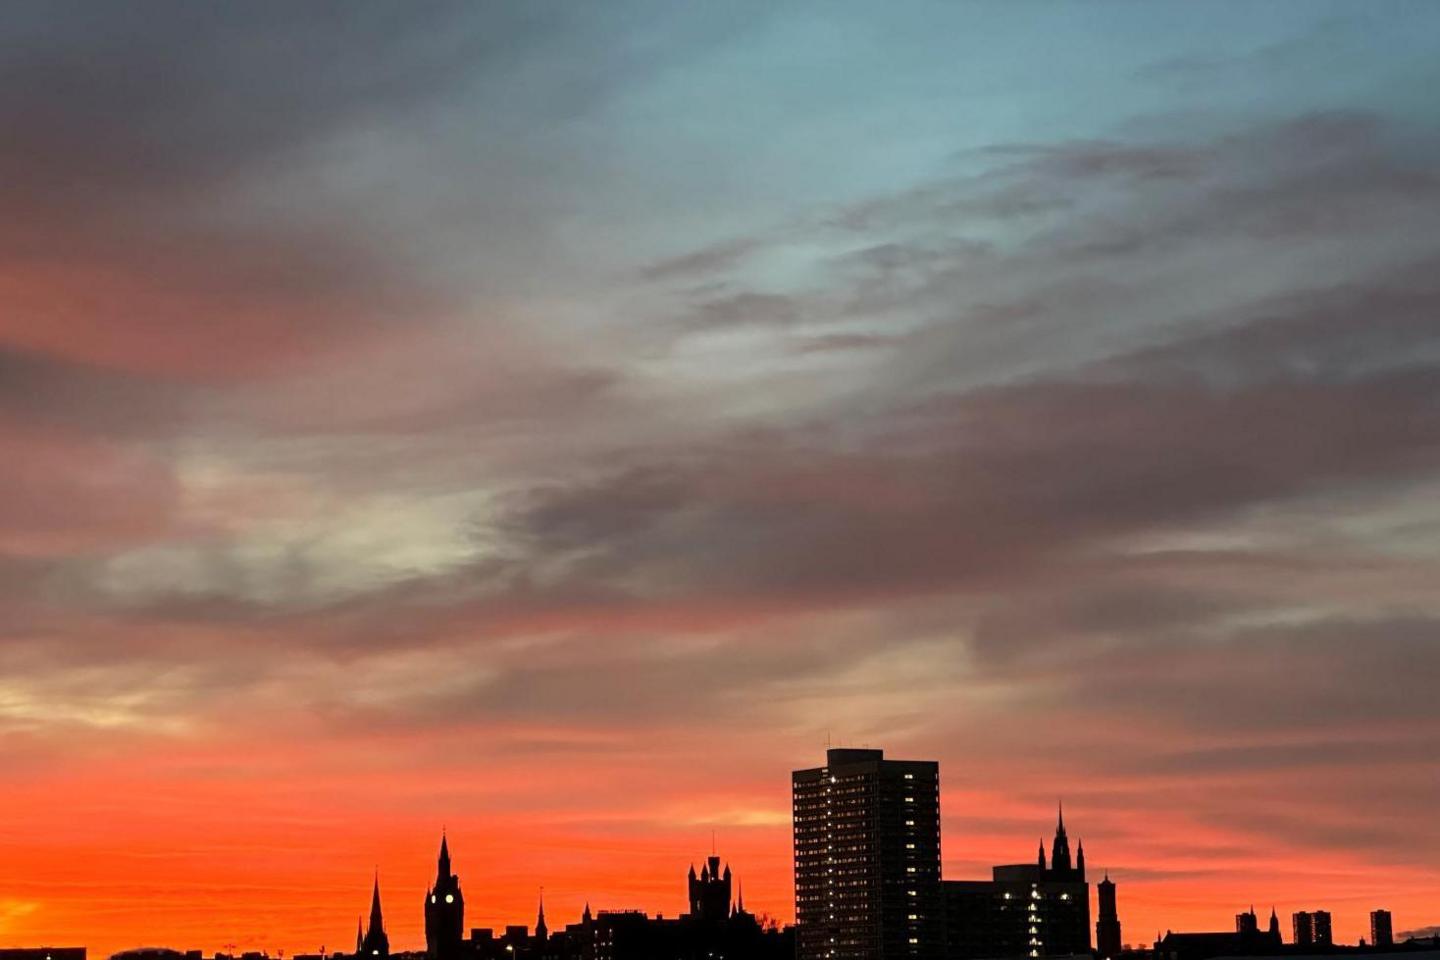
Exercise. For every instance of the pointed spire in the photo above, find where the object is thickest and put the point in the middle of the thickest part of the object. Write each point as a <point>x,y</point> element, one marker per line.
<point>1060,822</point>
<point>740,901</point>
<point>377,921</point>
<point>359,936</point>
<point>541,930</point>
<point>1042,854</point>
<point>586,917</point>
<point>444,864</point>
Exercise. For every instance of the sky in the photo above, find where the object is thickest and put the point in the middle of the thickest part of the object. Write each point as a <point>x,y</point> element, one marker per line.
<point>555,422</point>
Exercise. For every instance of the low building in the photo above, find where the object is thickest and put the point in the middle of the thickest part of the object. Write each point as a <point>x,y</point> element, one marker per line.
<point>1024,910</point>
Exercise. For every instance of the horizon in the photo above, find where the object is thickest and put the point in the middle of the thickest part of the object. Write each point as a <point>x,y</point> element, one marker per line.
<point>558,421</point>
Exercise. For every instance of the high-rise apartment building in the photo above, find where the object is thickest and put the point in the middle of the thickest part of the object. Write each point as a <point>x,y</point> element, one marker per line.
<point>1303,927</point>
<point>867,858</point>
<point>1382,931</point>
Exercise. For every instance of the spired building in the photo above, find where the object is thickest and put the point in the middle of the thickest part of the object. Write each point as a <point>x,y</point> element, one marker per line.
<point>1026,909</point>
<point>867,858</point>
<point>444,912</point>
<point>373,942</point>
<point>710,892</point>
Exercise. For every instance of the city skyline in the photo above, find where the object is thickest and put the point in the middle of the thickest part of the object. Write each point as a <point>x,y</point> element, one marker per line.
<point>558,421</point>
<point>401,933</point>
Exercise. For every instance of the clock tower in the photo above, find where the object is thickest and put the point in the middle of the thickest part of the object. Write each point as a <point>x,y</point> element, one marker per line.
<point>444,912</point>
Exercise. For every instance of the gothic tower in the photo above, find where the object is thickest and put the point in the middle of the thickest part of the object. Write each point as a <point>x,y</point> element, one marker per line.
<point>542,932</point>
<point>375,942</point>
<point>444,911</point>
<point>710,892</point>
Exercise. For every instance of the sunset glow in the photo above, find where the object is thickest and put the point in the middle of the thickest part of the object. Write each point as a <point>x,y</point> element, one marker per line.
<point>555,423</point>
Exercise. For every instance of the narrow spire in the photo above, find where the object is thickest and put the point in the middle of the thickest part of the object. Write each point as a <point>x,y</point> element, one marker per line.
<point>1060,822</point>
<point>377,921</point>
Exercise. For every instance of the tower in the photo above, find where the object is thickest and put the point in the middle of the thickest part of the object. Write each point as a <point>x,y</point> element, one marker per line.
<point>1060,852</point>
<point>867,858</point>
<point>1274,930</point>
<point>1107,926</point>
<point>542,932</point>
<point>444,911</point>
<point>1382,930</point>
<point>375,942</point>
<point>1304,929</point>
<point>710,891</point>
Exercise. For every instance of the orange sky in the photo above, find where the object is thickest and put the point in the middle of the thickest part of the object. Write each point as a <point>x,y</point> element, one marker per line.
<point>177,850</point>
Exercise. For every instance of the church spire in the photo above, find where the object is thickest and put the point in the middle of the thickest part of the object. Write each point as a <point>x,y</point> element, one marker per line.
<point>542,932</point>
<point>377,921</point>
<point>444,864</point>
<point>1060,853</point>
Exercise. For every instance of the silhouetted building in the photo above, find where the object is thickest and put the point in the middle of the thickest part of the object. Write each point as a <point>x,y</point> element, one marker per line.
<point>373,942</point>
<point>710,891</point>
<point>1107,928</point>
<point>1302,926</point>
<point>1025,909</point>
<point>1312,929</point>
<point>1382,931</point>
<point>43,953</point>
<point>1246,941</point>
<point>444,911</point>
<point>715,928</point>
<point>867,858</point>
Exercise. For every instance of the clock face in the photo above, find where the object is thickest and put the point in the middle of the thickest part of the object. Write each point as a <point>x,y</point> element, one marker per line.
<point>449,898</point>
<point>432,898</point>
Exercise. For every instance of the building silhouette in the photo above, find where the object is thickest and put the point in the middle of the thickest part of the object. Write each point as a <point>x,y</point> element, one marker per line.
<point>444,911</point>
<point>710,891</point>
<point>373,942</point>
<point>1025,909</point>
<point>867,858</point>
<point>1382,930</point>
<point>1312,929</point>
<point>1107,927</point>
<point>1247,941</point>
